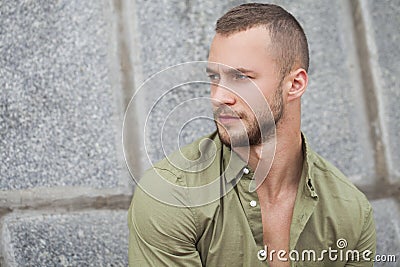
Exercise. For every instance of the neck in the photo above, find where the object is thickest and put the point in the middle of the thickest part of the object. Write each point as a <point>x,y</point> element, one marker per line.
<point>277,173</point>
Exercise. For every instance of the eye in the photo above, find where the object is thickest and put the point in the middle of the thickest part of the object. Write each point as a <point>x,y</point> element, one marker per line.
<point>241,76</point>
<point>213,76</point>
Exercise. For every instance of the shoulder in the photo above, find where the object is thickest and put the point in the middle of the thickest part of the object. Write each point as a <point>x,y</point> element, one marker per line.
<point>189,155</point>
<point>196,164</point>
<point>331,181</point>
<point>189,161</point>
<point>161,205</point>
<point>342,210</point>
<point>339,200</point>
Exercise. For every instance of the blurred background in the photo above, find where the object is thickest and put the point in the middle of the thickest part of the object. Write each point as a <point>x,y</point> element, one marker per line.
<point>69,69</point>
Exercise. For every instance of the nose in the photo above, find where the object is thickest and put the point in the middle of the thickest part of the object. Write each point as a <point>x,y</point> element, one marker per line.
<point>221,95</point>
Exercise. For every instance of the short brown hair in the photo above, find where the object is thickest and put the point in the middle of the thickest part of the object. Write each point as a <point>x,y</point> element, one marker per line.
<point>289,41</point>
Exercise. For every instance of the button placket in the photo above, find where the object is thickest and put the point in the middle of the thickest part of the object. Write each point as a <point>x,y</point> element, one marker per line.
<point>251,208</point>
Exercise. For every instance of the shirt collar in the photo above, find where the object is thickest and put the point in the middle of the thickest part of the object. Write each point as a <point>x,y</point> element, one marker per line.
<point>307,179</point>
<point>234,166</point>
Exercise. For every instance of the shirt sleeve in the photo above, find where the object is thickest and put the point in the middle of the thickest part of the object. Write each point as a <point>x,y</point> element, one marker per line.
<point>366,245</point>
<point>161,234</point>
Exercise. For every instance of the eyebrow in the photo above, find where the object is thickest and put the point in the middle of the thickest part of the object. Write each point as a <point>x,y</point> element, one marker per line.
<point>209,70</point>
<point>243,70</point>
<point>230,71</point>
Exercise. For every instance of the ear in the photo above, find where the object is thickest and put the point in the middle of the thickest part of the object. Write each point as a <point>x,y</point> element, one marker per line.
<point>299,81</point>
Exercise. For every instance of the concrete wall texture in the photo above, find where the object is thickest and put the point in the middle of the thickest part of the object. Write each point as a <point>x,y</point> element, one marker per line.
<point>68,70</point>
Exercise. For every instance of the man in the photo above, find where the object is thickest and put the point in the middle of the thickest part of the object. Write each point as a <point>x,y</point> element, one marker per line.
<point>288,208</point>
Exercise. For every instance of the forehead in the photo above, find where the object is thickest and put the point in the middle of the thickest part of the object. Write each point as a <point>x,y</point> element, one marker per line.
<point>248,49</point>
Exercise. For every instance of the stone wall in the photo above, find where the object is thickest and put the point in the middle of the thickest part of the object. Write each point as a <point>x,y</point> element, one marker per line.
<point>68,70</point>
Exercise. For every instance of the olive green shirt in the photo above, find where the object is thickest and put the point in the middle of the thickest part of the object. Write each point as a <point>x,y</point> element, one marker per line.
<point>220,225</point>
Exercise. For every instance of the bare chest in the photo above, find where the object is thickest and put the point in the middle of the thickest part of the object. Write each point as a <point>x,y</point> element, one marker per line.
<point>276,220</point>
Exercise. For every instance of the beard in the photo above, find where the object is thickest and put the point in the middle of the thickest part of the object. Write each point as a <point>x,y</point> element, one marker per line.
<point>255,128</point>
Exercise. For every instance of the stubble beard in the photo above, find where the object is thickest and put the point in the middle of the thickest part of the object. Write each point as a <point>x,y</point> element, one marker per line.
<point>257,127</point>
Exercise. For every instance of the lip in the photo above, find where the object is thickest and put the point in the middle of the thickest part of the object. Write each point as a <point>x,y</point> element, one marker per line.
<point>225,119</point>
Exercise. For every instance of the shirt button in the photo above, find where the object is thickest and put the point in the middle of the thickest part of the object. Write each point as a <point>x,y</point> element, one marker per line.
<point>253,203</point>
<point>246,170</point>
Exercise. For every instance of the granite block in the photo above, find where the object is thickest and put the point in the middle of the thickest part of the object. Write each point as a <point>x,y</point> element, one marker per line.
<point>57,113</point>
<point>94,238</point>
<point>333,116</point>
<point>387,220</point>
<point>383,31</point>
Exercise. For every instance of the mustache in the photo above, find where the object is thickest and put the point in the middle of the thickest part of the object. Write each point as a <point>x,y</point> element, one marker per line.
<point>227,111</point>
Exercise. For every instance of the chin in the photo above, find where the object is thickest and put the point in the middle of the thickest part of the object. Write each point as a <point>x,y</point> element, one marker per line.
<point>234,139</point>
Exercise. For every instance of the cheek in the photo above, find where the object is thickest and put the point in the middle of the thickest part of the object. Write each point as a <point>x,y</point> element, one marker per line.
<point>258,93</point>
<point>259,105</point>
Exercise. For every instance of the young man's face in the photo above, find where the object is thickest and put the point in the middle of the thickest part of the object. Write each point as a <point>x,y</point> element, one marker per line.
<point>240,108</point>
